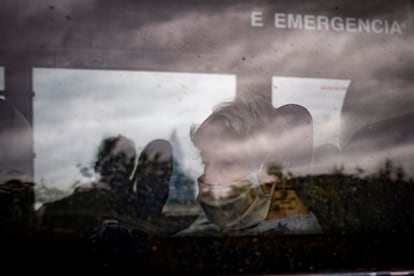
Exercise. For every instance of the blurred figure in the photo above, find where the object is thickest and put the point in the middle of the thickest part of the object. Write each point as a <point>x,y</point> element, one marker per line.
<point>110,196</point>
<point>114,167</point>
<point>244,145</point>
<point>16,208</point>
<point>295,137</point>
<point>152,186</point>
<point>153,173</point>
<point>16,170</point>
<point>132,196</point>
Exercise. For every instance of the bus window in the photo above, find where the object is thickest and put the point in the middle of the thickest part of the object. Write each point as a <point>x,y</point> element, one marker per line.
<point>208,137</point>
<point>90,105</point>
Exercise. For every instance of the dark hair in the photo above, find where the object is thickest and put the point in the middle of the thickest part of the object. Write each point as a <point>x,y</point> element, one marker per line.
<point>115,153</point>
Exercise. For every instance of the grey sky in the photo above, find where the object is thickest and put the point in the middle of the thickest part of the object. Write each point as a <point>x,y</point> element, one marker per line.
<point>88,105</point>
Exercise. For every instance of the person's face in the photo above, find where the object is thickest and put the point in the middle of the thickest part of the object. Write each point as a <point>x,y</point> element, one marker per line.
<point>226,161</point>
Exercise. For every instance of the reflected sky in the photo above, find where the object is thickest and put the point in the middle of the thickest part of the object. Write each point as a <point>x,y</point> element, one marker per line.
<point>75,109</point>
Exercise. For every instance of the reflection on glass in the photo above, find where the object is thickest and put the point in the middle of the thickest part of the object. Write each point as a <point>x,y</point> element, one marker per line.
<point>369,147</point>
<point>243,146</point>
<point>269,166</point>
<point>15,144</point>
<point>1,82</point>
<point>75,109</point>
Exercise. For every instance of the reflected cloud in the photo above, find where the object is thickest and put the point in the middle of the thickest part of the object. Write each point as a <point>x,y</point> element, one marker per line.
<point>140,105</point>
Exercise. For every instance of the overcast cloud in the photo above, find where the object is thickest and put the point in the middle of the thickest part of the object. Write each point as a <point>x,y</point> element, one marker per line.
<point>89,105</point>
<point>206,38</point>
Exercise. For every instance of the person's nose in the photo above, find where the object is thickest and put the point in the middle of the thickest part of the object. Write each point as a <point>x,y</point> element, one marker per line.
<point>201,179</point>
<point>211,176</point>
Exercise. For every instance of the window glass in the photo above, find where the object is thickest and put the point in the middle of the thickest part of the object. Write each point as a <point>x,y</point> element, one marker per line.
<point>89,105</point>
<point>274,136</point>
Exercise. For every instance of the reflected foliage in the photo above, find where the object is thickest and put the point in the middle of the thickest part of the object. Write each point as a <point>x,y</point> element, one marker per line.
<point>44,193</point>
<point>16,207</point>
<point>378,202</point>
<point>346,203</point>
<point>111,233</point>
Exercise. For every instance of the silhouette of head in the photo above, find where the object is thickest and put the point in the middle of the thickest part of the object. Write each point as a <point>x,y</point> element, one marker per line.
<point>116,159</point>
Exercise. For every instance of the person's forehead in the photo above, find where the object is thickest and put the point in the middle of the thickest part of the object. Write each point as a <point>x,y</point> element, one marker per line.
<point>225,149</point>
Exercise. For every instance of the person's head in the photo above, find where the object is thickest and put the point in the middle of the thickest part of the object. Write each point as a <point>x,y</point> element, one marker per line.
<point>116,156</point>
<point>233,140</point>
<point>235,147</point>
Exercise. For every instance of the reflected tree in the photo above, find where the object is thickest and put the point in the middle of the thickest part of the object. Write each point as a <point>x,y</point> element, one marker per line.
<point>379,202</point>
